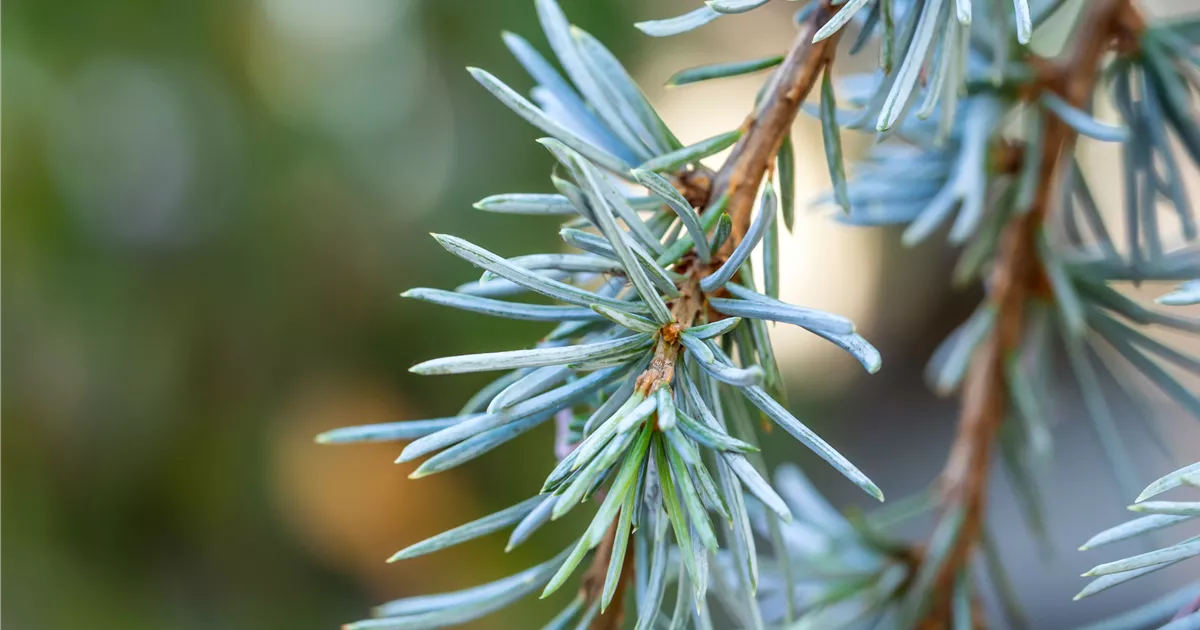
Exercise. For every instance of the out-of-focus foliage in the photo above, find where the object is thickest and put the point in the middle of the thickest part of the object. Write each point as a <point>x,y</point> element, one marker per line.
<point>210,210</point>
<point>1159,514</point>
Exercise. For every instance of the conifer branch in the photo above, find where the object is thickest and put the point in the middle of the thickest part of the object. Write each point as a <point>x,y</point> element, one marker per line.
<point>1016,278</point>
<point>763,132</point>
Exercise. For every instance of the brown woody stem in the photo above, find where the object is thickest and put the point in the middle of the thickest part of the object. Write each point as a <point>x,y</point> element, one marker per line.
<point>1015,277</point>
<point>765,128</point>
<point>592,582</point>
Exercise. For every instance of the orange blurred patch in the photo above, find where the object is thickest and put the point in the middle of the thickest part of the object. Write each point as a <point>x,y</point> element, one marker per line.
<point>350,504</point>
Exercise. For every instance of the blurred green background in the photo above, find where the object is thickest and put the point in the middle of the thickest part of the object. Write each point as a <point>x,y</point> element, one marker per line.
<point>209,210</point>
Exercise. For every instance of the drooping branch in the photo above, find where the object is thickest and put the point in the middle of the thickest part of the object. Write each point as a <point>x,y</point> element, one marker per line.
<point>1015,278</point>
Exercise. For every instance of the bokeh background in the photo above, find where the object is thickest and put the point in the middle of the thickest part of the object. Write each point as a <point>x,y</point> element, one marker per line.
<point>209,210</point>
